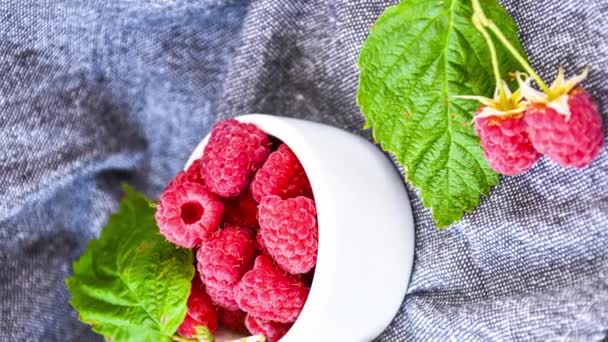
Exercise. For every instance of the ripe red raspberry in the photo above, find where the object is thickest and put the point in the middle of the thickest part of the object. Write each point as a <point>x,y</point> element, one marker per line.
<point>201,311</point>
<point>569,141</point>
<point>200,306</point>
<point>273,331</point>
<point>222,260</point>
<point>234,151</point>
<point>233,320</point>
<point>563,121</point>
<point>241,211</point>
<point>282,175</point>
<point>505,143</point>
<point>222,295</point>
<point>192,175</point>
<point>187,213</point>
<point>269,293</point>
<point>501,129</point>
<point>289,231</point>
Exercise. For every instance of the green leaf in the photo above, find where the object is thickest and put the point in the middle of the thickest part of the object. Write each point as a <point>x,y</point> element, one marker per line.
<point>418,55</point>
<point>131,284</point>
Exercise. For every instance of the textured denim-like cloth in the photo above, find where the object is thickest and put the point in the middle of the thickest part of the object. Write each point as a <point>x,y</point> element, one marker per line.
<point>96,93</point>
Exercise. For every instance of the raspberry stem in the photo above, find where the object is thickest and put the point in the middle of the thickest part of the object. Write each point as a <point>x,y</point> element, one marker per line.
<point>495,67</point>
<point>485,22</point>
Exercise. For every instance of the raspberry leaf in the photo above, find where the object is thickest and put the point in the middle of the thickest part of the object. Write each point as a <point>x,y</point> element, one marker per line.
<point>418,56</point>
<point>131,284</point>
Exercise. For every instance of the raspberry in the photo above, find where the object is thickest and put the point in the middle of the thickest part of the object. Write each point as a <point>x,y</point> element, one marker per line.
<point>241,211</point>
<point>223,295</point>
<point>200,307</point>
<point>269,293</point>
<point>289,232</point>
<point>282,175</point>
<point>234,151</point>
<point>187,213</point>
<point>192,175</point>
<point>563,122</point>
<point>505,143</point>
<point>201,311</point>
<point>233,320</point>
<point>569,141</point>
<point>502,132</point>
<point>273,331</point>
<point>222,260</point>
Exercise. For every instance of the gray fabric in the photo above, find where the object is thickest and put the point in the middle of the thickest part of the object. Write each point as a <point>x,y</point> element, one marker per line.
<point>95,93</point>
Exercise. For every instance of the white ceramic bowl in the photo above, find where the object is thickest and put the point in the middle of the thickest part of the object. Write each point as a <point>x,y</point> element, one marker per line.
<point>366,231</point>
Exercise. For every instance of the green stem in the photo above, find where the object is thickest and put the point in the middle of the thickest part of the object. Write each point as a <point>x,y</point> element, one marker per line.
<point>494,57</point>
<point>518,57</point>
<point>176,338</point>
<point>484,21</point>
<point>478,16</point>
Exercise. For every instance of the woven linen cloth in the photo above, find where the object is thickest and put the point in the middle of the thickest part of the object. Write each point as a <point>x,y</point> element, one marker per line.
<point>96,93</point>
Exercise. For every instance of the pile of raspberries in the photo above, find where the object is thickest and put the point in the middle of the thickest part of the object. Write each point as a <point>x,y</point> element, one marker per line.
<point>246,208</point>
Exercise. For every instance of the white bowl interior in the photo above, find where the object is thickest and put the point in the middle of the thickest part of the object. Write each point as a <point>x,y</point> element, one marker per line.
<point>366,230</point>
